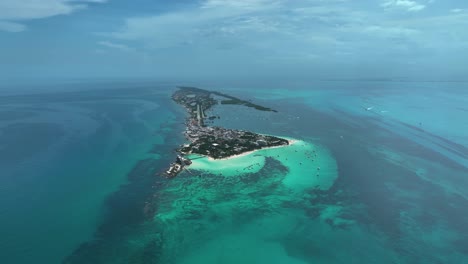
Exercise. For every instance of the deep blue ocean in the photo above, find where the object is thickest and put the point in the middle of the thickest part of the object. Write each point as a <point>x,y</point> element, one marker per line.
<point>80,183</point>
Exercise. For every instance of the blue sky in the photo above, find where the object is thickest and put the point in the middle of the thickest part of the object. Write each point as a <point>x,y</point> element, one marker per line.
<point>221,39</point>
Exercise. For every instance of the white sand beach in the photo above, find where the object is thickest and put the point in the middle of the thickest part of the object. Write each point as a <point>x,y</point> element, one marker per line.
<point>309,166</point>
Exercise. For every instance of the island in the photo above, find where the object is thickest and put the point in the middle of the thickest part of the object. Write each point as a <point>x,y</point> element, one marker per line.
<point>214,142</point>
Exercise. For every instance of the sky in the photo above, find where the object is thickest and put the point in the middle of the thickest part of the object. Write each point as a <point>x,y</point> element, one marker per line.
<point>234,39</point>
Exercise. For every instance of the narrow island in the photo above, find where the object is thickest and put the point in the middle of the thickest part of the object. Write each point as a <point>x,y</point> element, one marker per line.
<point>214,142</point>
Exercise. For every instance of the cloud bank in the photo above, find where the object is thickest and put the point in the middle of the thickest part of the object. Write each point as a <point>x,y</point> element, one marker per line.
<point>400,39</point>
<point>13,13</point>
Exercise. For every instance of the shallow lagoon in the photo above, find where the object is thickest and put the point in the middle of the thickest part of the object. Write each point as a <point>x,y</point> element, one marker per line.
<point>391,190</point>
<point>308,166</point>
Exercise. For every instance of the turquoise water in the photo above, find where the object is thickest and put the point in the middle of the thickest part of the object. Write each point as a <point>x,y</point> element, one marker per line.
<point>391,186</point>
<point>62,156</point>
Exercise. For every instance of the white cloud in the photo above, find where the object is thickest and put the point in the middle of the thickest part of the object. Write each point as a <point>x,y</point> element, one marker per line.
<point>457,10</point>
<point>212,19</point>
<point>240,4</point>
<point>33,9</point>
<point>11,26</point>
<point>408,5</point>
<point>13,11</point>
<point>93,1</point>
<point>390,32</point>
<point>219,31</point>
<point>113,45</point>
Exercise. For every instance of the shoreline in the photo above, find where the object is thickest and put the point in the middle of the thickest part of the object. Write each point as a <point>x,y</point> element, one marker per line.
<point>290,143</point>
<point>204,139</point>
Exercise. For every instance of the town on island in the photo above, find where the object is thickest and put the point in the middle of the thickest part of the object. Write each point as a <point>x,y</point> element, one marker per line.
<point>212,141</point>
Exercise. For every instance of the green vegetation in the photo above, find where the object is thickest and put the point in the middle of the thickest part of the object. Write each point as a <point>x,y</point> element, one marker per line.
<point>209,102</point>
<point>236,101</point>
<point>217,142</point>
